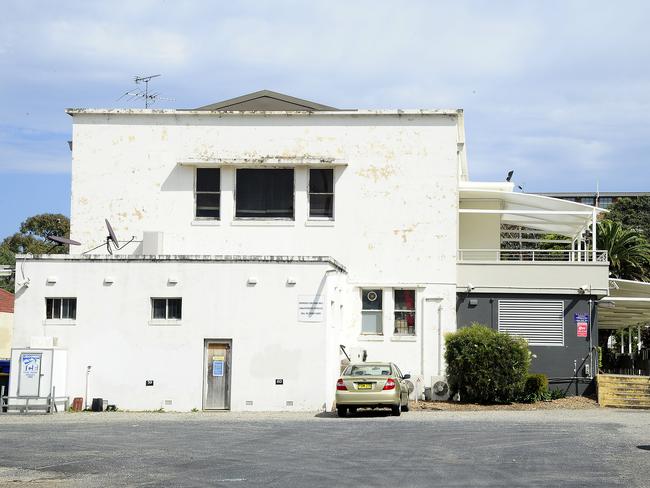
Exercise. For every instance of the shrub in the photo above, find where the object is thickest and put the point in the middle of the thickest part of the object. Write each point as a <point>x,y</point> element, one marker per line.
<point>557,393</point>
<point>536,388</point>
<point>486,366</point>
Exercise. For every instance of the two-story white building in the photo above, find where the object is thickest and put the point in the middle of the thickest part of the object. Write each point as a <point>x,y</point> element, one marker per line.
<point>262,239</point>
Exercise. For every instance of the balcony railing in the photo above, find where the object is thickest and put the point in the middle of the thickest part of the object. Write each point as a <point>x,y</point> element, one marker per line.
<point>532,255</point>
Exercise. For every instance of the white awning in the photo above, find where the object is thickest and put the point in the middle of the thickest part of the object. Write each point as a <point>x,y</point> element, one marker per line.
<point>529,210</point>
<point>628,304</point>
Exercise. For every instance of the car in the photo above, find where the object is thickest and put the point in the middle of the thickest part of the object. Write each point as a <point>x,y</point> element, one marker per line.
<point>372,385</point>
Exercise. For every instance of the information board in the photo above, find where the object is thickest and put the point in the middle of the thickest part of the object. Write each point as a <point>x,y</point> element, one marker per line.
<point>311,308</point>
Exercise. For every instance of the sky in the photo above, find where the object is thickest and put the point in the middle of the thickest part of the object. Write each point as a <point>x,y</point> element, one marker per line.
<point>557,90</point>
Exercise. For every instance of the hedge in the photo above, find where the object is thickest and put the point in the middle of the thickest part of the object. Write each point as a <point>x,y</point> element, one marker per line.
<point>486,366</point>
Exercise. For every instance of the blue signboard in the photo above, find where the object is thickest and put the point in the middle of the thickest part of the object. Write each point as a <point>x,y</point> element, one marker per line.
<point>217,368</point>
<point>581,317</point>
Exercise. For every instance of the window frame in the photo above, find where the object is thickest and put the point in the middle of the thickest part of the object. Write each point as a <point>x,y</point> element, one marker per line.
<point>167,318</point>
<point>310,193</point>
<point>197,192</point>
<point>60,318</point>
<point>397,332</point>
<point>270,218</point>
<point>379,312</point>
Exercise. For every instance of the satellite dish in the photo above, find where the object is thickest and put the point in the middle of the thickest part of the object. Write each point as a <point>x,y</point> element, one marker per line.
<point>111,234</point>
<point>60,241</point>
<point>510,173</point>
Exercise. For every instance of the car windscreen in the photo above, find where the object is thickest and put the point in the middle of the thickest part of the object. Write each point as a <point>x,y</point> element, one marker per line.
<point>368,370</point>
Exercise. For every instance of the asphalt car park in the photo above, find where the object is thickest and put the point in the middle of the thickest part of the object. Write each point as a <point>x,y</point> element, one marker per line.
<point>599,447</point>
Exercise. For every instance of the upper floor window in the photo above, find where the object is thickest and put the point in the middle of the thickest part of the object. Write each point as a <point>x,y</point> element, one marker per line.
<point>321,193</point>
<point>371,311</point>
<point>208,193</point>
<point>166,308</point>
<point>264,193</point>
<point>61,308</point>
<point>405,312</point>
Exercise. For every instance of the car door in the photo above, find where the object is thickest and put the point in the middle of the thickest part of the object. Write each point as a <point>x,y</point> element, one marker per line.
<point>403,387</point>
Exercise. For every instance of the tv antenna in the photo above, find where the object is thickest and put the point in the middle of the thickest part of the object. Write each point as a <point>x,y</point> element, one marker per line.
<point>148,98</point>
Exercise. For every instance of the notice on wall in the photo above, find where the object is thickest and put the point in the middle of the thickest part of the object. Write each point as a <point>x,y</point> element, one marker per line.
<point>582,324</point>
<point>311,308</point>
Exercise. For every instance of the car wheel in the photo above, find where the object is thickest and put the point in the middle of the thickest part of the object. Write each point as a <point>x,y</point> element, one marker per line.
<point>342,411</point>
<point>395,410</point>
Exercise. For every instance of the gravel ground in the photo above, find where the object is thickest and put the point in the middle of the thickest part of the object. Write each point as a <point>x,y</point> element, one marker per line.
<point>569,403</point>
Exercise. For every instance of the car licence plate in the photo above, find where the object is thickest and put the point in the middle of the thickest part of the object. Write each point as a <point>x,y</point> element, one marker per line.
<point>364,386</point>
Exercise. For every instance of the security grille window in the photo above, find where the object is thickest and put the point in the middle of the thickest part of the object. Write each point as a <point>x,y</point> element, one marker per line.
<point>371,312</point>
<point>208,193</point>
<point>321,193</point>
<point>540,322</point>
<point>405,312</point>
<point>264,193</point>
<point>166,308</point>
<point>61,308</point>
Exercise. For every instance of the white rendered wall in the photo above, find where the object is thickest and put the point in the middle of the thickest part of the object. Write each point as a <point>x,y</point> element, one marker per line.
<point>6,326</point>
<point>112,332</point>
<point>396,195</point>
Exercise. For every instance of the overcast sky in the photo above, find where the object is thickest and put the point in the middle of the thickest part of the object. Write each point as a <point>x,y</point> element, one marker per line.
<point>559,91</point>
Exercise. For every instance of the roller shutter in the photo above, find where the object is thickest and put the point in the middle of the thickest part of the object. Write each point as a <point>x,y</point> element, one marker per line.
<point>540,322</point>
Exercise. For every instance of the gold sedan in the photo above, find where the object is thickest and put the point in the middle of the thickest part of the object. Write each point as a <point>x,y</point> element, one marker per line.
<point>372,385</point>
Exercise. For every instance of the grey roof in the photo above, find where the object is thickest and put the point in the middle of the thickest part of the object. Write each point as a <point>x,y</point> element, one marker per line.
<point>593,194</point>
<point>266,100</point>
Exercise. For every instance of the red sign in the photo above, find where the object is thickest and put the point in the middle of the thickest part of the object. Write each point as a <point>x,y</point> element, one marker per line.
<point>582,329</point>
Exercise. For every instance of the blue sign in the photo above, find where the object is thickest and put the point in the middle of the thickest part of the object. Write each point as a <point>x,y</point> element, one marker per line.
<point>217,368</point>
<point>581,317</point>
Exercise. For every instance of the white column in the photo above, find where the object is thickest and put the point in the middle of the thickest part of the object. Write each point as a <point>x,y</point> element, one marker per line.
<point>629,341</point>
<point>622,341</point>
<point>638,340</point>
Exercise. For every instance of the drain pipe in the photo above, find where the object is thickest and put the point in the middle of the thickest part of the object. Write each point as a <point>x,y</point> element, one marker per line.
<point>86,396</point>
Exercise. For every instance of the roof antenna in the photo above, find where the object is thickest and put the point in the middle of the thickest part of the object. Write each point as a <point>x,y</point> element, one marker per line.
<point>148,98</point>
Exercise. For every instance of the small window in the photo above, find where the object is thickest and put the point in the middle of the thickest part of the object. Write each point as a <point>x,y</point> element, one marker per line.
<point>264,193</point>
<point>166,308</point>
<point>208,193</point>
<point>321,193</point>
<point>405,312</point>
<point>61,308</point>
<point>371,312</point>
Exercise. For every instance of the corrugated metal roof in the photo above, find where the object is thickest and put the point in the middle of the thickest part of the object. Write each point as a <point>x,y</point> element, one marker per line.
<point>6,301</point>
<point>264,101</point>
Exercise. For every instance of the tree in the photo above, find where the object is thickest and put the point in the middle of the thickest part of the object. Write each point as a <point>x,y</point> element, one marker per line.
<point>633,213</point>
<point>31,239</point>
<point>628,251</point>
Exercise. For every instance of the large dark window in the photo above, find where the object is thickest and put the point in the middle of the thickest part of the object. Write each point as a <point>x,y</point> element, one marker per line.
<point>166,308</point>
<point>208,193</point>
<point>321,193</point>
<point>264,193</point>
<point>61,308</point>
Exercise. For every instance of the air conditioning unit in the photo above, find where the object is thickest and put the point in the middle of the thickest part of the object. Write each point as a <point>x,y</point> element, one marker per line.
<point>416,387</point>
<point>439,389</point>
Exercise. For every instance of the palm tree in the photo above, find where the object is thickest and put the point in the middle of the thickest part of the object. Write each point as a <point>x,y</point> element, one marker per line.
<point>627,249</point>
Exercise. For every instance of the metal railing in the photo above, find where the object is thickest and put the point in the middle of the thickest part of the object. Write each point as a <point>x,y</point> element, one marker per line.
<point>27,405</point>
<point>532,255</point>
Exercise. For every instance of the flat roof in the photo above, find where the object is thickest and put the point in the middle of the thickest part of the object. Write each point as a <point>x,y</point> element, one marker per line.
<point>593,194</point>
<point>225,113</point>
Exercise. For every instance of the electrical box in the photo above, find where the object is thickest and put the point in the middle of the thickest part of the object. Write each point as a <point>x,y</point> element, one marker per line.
<point>37,373</point>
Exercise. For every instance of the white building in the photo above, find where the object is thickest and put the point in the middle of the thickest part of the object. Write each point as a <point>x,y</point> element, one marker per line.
<point>261,234</point>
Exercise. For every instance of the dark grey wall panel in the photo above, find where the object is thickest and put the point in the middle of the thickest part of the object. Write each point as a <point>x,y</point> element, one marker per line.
<point>557,362</point>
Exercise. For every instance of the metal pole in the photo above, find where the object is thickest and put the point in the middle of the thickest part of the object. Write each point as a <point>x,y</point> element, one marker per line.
<point>629,342</point>
<point>622,341</point>
<point>638,340</point>
<point>593,235</point>
<point>86,396</point>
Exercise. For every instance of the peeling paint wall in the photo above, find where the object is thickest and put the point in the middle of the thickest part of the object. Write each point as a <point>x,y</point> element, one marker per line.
<point>395,203</point>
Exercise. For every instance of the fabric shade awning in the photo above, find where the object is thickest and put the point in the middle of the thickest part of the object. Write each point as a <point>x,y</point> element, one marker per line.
<point>529,210</point>
<point>627,304</point>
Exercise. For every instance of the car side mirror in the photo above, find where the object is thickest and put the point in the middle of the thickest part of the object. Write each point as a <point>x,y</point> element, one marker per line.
<point>406,376</point>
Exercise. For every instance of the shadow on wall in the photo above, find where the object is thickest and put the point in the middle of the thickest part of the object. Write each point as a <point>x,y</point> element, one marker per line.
<point>181,178</point>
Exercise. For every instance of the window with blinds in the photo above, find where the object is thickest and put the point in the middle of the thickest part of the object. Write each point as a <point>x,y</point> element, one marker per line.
<point>540,322</point>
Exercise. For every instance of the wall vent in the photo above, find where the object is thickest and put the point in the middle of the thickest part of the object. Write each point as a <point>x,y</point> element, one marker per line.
<point>289,403</point>
<point>249,403</point>
<point>540,322</point>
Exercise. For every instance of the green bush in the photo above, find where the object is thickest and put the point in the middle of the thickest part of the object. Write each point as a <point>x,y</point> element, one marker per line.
<point>486,366</point>
<point>536,388</point>
<point>557,393</point>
